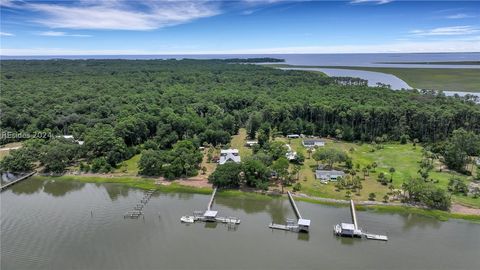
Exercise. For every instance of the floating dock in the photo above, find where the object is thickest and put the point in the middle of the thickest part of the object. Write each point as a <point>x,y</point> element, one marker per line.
<point>301,225</point>
<point>2,188</point>
<point>210,215</point>
<point>352,230</point>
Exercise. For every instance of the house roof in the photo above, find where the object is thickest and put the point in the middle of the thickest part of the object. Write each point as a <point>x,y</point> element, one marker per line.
<point>229,155</point>
<point>329,173</point>
<point>210,213</point>
<point>347,226</point>
<point>229,151</point>
<point>304,222</point>
<point>313,141</point>
<point>229,158</point>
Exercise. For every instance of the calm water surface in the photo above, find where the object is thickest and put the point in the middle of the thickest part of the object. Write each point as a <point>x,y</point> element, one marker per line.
<point>308,59</point>
<point>49,225</point>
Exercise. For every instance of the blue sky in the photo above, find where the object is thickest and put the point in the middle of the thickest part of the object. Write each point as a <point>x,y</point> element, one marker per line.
<point>248,26</point>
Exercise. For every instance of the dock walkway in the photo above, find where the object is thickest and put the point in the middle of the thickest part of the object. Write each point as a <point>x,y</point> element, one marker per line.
<point>301,225</point>
<point>352,230</point>
<point>2,188</point>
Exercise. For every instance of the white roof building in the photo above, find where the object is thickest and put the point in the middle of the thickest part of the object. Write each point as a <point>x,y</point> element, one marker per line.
<point>229,155</point>
<point>325,175</point>
<point>290,155</point>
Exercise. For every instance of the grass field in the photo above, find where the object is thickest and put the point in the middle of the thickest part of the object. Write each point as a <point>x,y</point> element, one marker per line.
<point>238,142</point>
<point>4,149</point>
<point>130,166</point>
<point>453,79</point>
<point>404,158</point>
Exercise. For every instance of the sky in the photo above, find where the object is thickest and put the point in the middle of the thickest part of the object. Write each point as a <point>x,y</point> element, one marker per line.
<point>112,27</point>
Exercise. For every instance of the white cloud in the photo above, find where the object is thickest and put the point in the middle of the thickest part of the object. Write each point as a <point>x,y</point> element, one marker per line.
<point>459,16</point>
<point>122,15</point>
<point>378,2</point>
<point>6,3</point>
<point>447,31</point>
<point>60,34</point>
<point>6,34</point>
<point>397,47</point>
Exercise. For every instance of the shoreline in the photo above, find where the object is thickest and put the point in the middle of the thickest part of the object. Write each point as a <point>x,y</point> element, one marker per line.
<point>173,186</point>
<point>415,77</point>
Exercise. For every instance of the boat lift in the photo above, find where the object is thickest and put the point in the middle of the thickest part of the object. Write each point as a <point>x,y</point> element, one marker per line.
<point>209,215</point>
<point>302,224</point>
<point>352,230</point>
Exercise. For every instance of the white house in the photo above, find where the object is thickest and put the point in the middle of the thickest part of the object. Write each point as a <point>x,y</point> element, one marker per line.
<point>313,143</point>
<point>331,175</point>
<point>290,155</point>
<point>229,155</point>
<point>70,137</point>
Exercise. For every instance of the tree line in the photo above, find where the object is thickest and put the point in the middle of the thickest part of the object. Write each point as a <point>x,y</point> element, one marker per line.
<point>123,107</point>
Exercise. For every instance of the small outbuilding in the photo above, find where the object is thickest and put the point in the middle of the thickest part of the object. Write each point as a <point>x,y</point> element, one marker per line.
<point>293,136</point>
<point>348,229</point>
<point>251,143</point>
<point>210,215</point>
<point>303,225</point>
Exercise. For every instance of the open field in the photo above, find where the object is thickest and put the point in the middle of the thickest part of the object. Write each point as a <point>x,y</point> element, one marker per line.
<point>130,166</point>
<point>404,158</point>
<point>238,142</point>
<point>5,149</point>
<point>451,79</point>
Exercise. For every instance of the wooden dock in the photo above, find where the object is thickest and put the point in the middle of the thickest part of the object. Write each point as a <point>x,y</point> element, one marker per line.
<point>210,215</point>
<point>2,188</point>
<point>352,230</point>
<point>375,237</point>
<point>294,205</point>
<point>212,197</point>
<point>301,225</point>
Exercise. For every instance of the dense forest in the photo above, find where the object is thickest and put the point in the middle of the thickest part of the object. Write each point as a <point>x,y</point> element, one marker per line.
<point>176,105</point>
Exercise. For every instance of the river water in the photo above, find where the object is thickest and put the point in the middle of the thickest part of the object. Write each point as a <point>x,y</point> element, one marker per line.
<point>47,224</point>
<point>376,77</point>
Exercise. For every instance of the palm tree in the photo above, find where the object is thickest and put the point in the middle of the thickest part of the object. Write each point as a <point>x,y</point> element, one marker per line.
<point>392,171</point>
<point>374,165</point>
<point>391,187</point>
<point>309,151</point>
<point>364,170</point>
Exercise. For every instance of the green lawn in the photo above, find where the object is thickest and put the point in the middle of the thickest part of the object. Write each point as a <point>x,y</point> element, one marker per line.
<point>238,142</point>
<point>404,158</point>
<point>130,166</point>
<point>4,153</point>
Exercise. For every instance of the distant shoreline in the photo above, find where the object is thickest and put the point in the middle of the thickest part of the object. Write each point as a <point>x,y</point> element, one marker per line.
<point>434,63</point>
<point>444,79</point>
